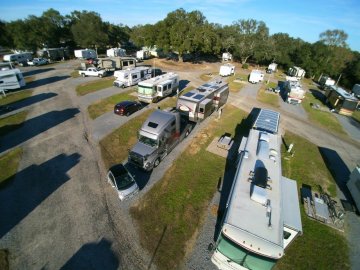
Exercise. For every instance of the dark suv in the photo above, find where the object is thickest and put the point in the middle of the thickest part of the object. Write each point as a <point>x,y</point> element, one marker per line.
<point>127,107</point>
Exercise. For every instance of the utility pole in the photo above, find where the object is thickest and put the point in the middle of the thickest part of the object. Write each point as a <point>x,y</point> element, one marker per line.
<point>338,80</point>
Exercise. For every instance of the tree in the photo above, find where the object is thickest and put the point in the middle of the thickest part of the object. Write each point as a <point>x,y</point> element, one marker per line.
<point>334,38</point>
<point>118,34</point>
<point>5,37</point>
<point>144,35</point>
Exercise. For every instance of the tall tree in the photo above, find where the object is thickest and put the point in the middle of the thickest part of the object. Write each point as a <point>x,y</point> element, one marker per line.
<point>334,38</point>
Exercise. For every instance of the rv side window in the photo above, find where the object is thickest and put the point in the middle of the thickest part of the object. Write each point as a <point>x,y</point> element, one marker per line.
<point>169,86</point>
<point>286,235</point>
<point>175,81</point>
<point>131,62</point>
<point>134,76</point>
<point>202,110</point>
<point>125,63</point>
<point>165,88</point>
<point>173,123</point>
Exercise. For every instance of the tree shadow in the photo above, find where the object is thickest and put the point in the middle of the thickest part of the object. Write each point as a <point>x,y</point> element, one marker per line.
<point>44,81</point>
<point>36,71</point>
<point>94,255</point>
<point>26,190</point>
<point>29,101</point>
<point>141,177</point>
<point>35,126</point>
<point>242,130</point>
<point>283,93</point>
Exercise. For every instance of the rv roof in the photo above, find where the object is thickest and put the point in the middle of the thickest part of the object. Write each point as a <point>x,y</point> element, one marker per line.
<point>204,90</point>
<point>343,93</point>
<point>268,121</point>
<point>159,79</point>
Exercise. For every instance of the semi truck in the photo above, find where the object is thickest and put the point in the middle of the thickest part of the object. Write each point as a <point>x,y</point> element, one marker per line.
<point>293,90</point>
<point>131,76</point>
<point>159,134</point>
<point>154,89</point>
<point>201,102</point>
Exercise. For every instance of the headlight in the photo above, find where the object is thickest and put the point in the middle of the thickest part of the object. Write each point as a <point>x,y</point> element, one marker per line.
<point>147,165</point>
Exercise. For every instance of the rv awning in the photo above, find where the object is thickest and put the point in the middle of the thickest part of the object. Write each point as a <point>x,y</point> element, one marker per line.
<point>290,204</point>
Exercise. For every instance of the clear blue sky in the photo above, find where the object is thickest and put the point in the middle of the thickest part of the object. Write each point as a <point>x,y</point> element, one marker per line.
<point>300,18</point>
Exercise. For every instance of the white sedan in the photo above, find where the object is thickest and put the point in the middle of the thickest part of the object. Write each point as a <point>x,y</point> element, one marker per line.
<point>38,62</point>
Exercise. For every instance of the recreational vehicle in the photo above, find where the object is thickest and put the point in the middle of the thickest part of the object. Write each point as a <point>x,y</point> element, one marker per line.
<point>296,72</point>
<point>326,81</point>
<point>271,68</point>
<point>154,89</point>
<point>142,54</point>
<point>226,56</point>
<point>18,57</point>
<point>131,76</point>
<point>159,134</point>
<point>340,100</point>
<point>11,79</point>
<point>114,52</point>
<point>293,90</point>
<point>227,70</point>
<point>354,186</point>
<point>85,54</point>
<point>54,54</point>
<point>114,63</point>
<point>262,215</point>
<point>199,103</point>
<point>256,76</point>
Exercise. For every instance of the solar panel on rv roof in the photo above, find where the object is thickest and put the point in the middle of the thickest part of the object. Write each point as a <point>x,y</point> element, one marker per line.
<point>198,97</point>
<point>267,120</point>
<point>189,94</point>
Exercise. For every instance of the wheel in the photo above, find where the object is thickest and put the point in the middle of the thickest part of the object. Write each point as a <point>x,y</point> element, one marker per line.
<point>157,162</point>
<point>100,76</point>
<point>123,86</point>
<point>128,113</point>
<point>83,75</point>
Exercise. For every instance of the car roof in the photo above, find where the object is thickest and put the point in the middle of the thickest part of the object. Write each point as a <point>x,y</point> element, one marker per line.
<point>126,103</point>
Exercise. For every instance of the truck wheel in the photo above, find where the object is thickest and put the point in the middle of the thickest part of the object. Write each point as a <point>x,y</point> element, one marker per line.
<point>83,75</point>
<point>157,162</point>
<point>100,76</point>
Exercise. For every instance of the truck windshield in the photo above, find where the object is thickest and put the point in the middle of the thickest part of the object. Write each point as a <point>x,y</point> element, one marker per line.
<point>146,90</point>
<point>148,141</point>
<point>243,257</point>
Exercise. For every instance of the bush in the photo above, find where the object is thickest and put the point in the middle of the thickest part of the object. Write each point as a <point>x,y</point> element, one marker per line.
<point>245,66</point>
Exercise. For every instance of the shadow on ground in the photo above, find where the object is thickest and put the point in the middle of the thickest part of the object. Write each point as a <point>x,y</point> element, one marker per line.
<point>36,71</point>
<point>45,81</point>
<point>30,187</point>
<point>35,126</point>
<point>141,177</point>
<point>95,255</point>
<point>183,84</point>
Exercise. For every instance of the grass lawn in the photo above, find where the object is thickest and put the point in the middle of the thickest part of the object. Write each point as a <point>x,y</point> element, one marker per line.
<point>324,118</point>
<point>205,77</point>
<point>75,74</point>
<point>320,247</point>
<point>236,86</point>
<point>356,116</point>
<point>15,96</point>
<point>107,104</point>
<point>10,161</point>
<point>90,87</point>
<point>4,263</point>
<point>12,122</point>
<point>175,207</point>
<point>268,97</point>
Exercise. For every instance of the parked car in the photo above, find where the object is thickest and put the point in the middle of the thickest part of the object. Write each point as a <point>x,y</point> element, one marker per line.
<point>38,62</point>
<point>124,183</point>
<point>127,107</point>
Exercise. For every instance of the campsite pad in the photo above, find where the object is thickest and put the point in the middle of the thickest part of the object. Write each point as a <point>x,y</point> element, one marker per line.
<point>213,148</point>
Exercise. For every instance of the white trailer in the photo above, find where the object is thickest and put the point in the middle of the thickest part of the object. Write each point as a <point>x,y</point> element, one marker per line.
<point>142,54</point>
<point>18,57</point>
<point>154,89</point>
<point>256,76</point>
<point>198,104</point>
<point>85,54</point>
<point>296,72</point>
<point>113,52</point>
<point>271,68</point>
<point>356,90</point>
<point>354,186</point>
<point>293,90</point>
<point>226,56</point>
<point>131,76</point>
<point>227,70</point>
<point>11,79</point>
<point>326,81</point>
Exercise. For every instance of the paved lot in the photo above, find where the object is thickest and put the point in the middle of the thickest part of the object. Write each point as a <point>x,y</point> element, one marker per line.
<point>351,126</point>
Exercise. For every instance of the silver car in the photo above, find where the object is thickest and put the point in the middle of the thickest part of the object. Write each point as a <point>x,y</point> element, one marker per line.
<point>124,183</point>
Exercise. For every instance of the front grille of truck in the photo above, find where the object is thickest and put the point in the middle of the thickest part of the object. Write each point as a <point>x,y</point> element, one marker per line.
<point>136,159</point>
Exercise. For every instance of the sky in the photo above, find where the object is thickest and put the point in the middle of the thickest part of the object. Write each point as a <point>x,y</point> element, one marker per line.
<point>303,19</point>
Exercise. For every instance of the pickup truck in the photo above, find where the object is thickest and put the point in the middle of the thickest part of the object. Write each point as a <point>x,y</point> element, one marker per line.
<point>92,72</point>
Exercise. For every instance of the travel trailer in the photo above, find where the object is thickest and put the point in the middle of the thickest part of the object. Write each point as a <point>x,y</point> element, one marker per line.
<point>201,102</point>
<point>85,54</point>
<point>11,79</point>
<point>54,54</point>
<point>326,81</point>
<point>114,52</point>
<point>131,76</point>
<point>271,68</point>
<point>159,134</point>
<point>226,56</point>
<point>142,54</point>
<point>114,63</point>
<point>256,76</point>
<point>341,101</point>
<point>154,89</point>
<point>18,58</point>
<point>227,70</point>
<point>262,215</point>
<point>293,90</point>
<point>296,72</point>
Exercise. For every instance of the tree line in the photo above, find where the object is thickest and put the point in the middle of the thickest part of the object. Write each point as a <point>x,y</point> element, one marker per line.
<point>189,33</point>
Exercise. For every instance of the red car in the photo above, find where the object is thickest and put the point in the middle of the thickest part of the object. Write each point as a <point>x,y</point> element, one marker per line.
<point>127,107</point>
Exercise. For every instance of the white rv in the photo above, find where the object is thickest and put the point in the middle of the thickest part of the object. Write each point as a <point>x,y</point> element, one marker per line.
<point>271,68</point>
<point>198,104</point>
<point>11,79</point>
<point>226,56</point>
<point>227,70</point>
<point>293,90</point>
<point>18,57</point>
<point>326,81</point>
<point>85,54</point>
<point>154,89</point>
<point>142,54</point>
<point>256,76</point>
<point>354,186</point>
<point>296,72</point>
<point>113,52</point>
<point>262,215</point>
<point>131,76</point>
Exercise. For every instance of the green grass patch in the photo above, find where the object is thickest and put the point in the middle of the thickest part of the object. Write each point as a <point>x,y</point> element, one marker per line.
<point>12,122</point>
<point>29,79</point>
<point>324,118</point>
<point>75,74</point>
<point>15,96</point>
<point>176,205</point>
<point>268,97</point>
<point>208,76</point>
<point>10,161</point>
<point>356,116</point>
<point>94,86</point>
<point>4,261</point>
<point>236,82</point>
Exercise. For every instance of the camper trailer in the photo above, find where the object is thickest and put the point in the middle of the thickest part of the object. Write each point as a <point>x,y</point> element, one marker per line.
<point>296,72</point>
<point>227,70</point>
<point>54,54</point>
<point>256,76</point>
<point>85,54</point>
<point>198,104</point>
<point>226,56</point>
<point>271,68</point>
<point>116,52</point>
<point>11,79</point>
<point>159,134</point>
<point>262,216</point>
<point>341,101</point>
<point>142,55</point>
<point>18,58</point>
<point>326,81</point>
<point>131,76</point>
<point>293,90</point>
<point>356,90</point>
<point>154,89</point>
<point>114,63</point>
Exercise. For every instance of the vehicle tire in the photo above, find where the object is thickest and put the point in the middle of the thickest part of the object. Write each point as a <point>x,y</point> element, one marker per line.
<point>100,76</point>
<point>123,86</point>
<point>83,75</point>
<point>128,113</point>
<point>157,162</point>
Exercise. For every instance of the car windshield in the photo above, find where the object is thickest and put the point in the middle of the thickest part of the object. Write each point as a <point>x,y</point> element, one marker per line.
<point>146,90</point>
<point>122,177</point>
<point>148,141</point>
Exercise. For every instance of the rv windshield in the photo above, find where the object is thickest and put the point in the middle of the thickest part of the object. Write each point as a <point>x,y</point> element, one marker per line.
<point>146,90</point>
<point>243,257</point>
<point>148,141</point>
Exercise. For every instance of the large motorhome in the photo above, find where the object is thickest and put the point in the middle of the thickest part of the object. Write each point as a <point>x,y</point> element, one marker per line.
<point>131,76</point>
<point>154,89</point>
<point>11,79</point>
<point>293,90</point>
<point>341,101</point>
<point>262,215</point>
<point>18,57</point>
<point>296,72</point>
<point>199,103</point>
<point>159,134</point>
